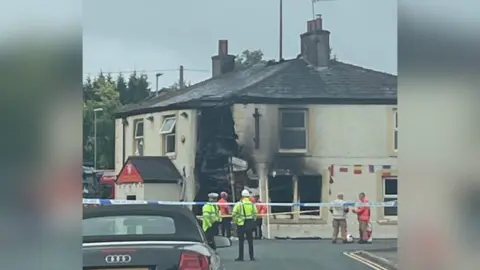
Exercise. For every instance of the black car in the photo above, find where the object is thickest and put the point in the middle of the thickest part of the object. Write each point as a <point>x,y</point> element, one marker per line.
<point>146,237</point>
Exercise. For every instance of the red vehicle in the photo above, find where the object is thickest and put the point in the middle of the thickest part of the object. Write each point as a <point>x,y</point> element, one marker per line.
<point>107,184</point>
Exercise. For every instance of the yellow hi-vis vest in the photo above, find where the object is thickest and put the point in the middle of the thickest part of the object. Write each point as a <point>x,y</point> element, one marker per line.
<point>250,211</point>
<point>210,215</point>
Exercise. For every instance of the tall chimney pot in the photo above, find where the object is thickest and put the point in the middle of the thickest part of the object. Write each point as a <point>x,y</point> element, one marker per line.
<point>222,62</point>
<point>223,47</point>
<point>315,43</point>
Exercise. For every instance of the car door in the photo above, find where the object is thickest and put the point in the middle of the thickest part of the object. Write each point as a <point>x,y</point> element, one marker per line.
<point>215,261</point>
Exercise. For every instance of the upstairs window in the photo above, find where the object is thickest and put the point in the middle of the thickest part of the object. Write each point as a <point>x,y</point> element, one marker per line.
<point>138,138</point>
<point>168,135</point>
<point>293,130</point>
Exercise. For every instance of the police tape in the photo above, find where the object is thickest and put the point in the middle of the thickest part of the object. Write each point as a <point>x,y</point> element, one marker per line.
<point>277,214</point>
<point>321,204</point>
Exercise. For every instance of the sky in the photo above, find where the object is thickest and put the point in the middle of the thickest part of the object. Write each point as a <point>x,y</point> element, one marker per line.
<point>153,36</point>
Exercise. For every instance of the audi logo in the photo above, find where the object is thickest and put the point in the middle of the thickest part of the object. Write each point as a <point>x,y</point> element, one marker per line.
<point>118,258</point>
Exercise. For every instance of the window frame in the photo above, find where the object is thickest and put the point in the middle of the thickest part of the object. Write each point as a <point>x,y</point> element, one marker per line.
<point>137,122</point>
<point>138,140</point>
<point>395,130</point>
<point>165,119</point>
<point>304,128</point>
<point>389,196</point>
<point>172,132</point>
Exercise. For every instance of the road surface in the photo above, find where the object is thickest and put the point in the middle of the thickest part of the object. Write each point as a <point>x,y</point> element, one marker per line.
<point>299,254</point>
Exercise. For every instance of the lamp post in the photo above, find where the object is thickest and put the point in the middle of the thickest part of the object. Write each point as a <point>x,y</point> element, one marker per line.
<point>95,136</point>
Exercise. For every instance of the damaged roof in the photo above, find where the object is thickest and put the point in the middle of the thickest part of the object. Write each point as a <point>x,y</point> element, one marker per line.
<point>288,81</point>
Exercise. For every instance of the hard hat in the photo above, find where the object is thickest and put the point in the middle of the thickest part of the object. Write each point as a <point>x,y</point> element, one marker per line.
<point>223,193</point>
<point>212,195</point>
<point>245,193</point>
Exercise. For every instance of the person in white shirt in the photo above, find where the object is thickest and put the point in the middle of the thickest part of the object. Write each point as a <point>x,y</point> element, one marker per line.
<point>339,222</point>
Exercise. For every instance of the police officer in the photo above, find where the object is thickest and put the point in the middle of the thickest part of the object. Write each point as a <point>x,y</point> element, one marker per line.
<point>216,224</point>
<point>210,216</point>
<point>244,214</point>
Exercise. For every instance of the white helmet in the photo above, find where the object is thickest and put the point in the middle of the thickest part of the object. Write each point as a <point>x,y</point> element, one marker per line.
<point>349,238</point>
<point>245,193</point>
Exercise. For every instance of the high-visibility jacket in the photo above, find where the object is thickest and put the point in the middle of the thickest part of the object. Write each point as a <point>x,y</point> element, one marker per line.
<point>210,215</point>
<point>244,209</point>
<point>261,209</point>
<point>363,212</point>
<point>224,207</point>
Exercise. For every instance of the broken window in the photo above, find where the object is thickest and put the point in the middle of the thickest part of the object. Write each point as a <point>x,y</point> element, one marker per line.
<point>138,138</point>
<point>280,190</point>
<point>293,129</point>
<point>168,133</point>
<point>310,191</point>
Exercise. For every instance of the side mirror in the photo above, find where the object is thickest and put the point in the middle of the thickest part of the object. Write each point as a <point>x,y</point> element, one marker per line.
<point>222,241</point>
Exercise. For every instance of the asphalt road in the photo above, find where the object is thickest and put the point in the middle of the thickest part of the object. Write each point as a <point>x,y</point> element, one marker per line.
<point>299,254</point>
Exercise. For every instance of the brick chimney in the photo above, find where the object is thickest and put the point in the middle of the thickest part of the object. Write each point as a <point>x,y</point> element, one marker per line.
<point>315,43</point>
<point>223,62</point>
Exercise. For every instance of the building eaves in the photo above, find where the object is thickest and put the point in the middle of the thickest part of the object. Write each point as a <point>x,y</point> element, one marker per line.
<point>291,81</point>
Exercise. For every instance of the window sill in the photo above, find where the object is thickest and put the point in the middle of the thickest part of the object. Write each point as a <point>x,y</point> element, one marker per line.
<point>292,151</point>
<point>387,222</point>
<point>297,221</point>
<point>172,156</point>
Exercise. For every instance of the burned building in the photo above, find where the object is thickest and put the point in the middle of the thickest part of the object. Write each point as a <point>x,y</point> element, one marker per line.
<point>296,130</point>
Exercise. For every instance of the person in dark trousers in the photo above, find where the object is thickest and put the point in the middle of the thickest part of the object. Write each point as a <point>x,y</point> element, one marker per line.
<point>210,215</point>
<point>225,211</point>
<point>216,224</point>
<point>244,214</point>
<point>262,211</point>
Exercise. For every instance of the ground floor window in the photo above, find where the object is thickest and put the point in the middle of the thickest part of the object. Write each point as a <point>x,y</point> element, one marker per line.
<point>280,190</point>
<point>390,193</point>
<point>289,189</point>
<point>310,191</point>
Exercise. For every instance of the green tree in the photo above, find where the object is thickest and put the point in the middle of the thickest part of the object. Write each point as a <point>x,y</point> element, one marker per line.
<point>122,89</point>
<point>138,88</point>
<point>101,93</point>
<point>248,58</point>
<point>176,85</point>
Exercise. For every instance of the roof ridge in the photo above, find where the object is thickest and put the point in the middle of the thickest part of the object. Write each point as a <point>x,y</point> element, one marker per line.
<point>364,68</point>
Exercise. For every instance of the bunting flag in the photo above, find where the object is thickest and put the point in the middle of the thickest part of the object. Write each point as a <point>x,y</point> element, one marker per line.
<point>386,171</point>
<point>386,174</point>
<point>359,169</point>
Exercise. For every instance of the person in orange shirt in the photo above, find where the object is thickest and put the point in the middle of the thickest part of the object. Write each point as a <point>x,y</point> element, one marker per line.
<point>363,214</point>
<point>262,210</point>
<point>225,212</point>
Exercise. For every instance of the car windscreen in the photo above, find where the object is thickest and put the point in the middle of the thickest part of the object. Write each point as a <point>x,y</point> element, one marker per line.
<point>129,225</point>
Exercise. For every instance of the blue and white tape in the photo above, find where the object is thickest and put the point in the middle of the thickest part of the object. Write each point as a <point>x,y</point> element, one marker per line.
<point>326,204</point>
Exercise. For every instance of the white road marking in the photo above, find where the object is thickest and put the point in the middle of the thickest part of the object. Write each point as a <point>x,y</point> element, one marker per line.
<point>364,261</point>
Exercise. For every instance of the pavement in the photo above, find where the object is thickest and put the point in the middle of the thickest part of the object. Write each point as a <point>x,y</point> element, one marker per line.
<point>304,254</point>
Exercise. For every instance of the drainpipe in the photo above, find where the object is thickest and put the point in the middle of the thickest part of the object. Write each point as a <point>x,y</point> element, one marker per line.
<point>124,131</point>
